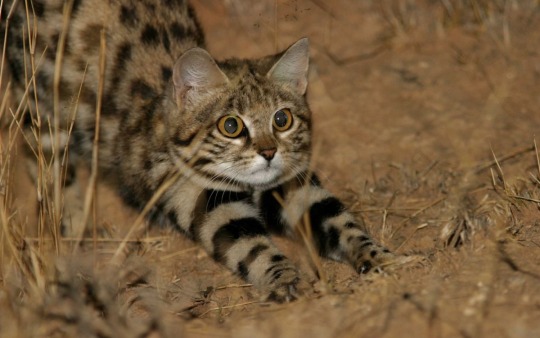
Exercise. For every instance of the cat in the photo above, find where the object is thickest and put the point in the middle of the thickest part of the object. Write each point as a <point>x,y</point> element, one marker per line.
<point>234,134</point>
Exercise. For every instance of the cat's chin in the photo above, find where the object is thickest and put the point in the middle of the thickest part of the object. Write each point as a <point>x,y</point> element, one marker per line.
<point>263,177</point>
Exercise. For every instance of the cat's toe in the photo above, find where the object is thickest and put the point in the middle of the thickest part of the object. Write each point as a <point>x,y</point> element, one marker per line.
<point>282,285</point>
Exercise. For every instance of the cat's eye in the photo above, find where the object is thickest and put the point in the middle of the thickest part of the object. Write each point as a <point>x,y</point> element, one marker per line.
<point>282,119</point>
<point>230,126</point>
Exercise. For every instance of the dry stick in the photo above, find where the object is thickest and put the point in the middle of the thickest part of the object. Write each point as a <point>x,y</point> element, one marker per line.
<point>11,139</point>
<point>537,158</point>
<point>276,26</point>
<point>383,227</point>
<point>37,122</point>
<point>373,175</point>
<point>72,124</point>
<point>42,168</point>
<point>13,242</point>
<point>400,225</point>
<point>500,169</point>
<point>385,215</point>
<point>90,190</point>
<point>56,120</point>
<point>10,237</point>
<point>230,286</point>
<point>228,307</point>
<point>32,49</point>
<point>150,204</point>
<point>389,209</point>
<point>304,226</point>
<point>4,46</point>
<point>138,222</point>
<point>504,158</point>
<point>5,220</point>
<point>410,236</point>
<point>506,31</point>
<point>20,111</point>
<point>493,181</point>
<point>105,240</point>
<point>157,195</point>
<point>3,105</point>
<point>524,198</point>
<point>178,253</point>
<point>307,237</point>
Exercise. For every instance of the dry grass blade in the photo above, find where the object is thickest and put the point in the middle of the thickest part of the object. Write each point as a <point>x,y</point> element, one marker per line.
<point>176,177</point>
<point>416,213</point>
<point>504,158</point>
<point>501,174</point>
<point>4,45</point>
<point>219,308</point>
<point>537,158</point>
<point>92,185</point>
<point>525,198</point>
<point>57,181</point>
<point>178,253</point>
<point>304,229</point>
<point>139,222</point>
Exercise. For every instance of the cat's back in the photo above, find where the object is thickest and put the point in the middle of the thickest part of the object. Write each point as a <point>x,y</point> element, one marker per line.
<point>142,41</point>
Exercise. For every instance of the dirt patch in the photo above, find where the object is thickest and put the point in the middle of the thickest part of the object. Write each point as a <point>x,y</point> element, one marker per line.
<point>425,118</point>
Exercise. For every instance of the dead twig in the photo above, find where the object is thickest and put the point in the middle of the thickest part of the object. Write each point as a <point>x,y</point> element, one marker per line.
<point>57,188</point>
<point>525,198</point>
<point>400,225</point>
<point>92,185</point>
<point>218,308</point>
<point>504,158</point>
<point>499,168</point>
<point>537,158</point>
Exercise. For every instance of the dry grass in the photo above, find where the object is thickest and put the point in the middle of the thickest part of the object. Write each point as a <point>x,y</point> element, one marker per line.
<point>469,207</point>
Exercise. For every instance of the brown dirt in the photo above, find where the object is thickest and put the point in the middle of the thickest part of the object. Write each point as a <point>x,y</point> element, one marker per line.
<point>412,103</point>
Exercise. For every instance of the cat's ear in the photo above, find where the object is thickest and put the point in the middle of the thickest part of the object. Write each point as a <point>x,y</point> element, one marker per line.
<point>195,74</point>
<point>292,68</point>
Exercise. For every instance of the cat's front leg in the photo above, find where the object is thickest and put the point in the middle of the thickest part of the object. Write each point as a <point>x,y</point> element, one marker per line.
<point>234,234</point>
<point>335,232</point>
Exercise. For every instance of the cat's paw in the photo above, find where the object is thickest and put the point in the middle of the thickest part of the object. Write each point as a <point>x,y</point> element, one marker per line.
<point>280,283</point>
<point>381,258</point>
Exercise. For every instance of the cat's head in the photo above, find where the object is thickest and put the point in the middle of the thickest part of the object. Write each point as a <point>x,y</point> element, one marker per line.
<point>243,122</point>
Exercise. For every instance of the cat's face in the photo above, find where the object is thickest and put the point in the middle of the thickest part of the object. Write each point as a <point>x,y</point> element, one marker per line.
<point>248,120</point>
<point>260,135</point>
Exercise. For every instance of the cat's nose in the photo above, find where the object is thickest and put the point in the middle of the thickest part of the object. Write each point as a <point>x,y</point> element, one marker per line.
<point>268,154</point>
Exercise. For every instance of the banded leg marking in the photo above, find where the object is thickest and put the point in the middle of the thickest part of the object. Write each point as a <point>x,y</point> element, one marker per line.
<point>335,232</point>
<point>234,235</point>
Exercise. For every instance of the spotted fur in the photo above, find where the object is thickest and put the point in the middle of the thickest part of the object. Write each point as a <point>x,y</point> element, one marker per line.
<point>164,97</point>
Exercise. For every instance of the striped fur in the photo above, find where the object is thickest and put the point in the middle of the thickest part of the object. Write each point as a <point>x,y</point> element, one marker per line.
<point>162,107</point>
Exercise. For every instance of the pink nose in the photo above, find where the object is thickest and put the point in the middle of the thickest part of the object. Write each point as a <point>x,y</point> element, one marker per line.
<point>268,154</point>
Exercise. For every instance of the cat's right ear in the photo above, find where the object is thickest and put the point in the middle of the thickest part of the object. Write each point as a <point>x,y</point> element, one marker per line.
<point>195,74</point>
<point>291,69</point>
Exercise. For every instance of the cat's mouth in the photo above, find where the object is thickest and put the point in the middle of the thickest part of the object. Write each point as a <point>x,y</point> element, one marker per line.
<point>264,172</point>
<point>259,173</point>
<point>264,176</point>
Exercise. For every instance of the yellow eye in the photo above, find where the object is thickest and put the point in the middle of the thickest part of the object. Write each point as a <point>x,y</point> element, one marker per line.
<point>230,126</point>
<point>282,119</point>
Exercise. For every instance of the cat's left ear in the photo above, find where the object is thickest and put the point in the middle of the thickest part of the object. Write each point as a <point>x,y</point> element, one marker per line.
<point>292,68</point>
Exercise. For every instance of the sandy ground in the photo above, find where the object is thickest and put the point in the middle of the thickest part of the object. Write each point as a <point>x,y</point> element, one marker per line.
<point>425,121</point>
